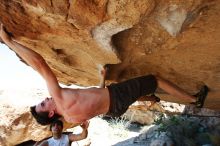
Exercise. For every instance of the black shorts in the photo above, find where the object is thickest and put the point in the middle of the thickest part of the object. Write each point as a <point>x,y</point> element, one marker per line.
<point>123,94</point>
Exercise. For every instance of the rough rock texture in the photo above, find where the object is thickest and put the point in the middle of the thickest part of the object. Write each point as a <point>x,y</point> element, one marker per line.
<point>179,130</point>
<point>178,40</point>
<point>138,112</point>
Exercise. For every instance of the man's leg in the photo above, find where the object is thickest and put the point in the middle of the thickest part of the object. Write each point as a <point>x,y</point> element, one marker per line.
<point>198,99</point>
<point>173,90</point>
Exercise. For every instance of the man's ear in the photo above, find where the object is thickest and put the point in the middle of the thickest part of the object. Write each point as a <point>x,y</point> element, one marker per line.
<point>51,113</point>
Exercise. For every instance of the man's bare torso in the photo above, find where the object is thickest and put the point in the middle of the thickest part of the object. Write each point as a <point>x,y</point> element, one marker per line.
<point>79,105</point>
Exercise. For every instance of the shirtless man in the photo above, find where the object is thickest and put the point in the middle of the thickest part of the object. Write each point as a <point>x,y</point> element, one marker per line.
<point>79,105</point>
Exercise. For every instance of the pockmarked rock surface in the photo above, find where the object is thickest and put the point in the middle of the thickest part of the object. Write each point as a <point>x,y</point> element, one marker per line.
<point>177,40</point>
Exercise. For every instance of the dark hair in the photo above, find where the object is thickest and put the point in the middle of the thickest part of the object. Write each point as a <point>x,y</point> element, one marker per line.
<point>58,122</point>
<point>42,117</point>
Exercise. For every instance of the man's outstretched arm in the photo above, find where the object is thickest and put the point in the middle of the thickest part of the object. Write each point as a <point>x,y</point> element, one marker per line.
<point>35,60</point>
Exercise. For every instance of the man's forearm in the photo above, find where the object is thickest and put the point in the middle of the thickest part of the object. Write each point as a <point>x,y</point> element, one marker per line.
<point>31,57</point>
<point>36,61</point>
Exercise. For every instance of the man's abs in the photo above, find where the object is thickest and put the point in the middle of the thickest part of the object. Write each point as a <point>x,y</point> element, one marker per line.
<point>88,103</point>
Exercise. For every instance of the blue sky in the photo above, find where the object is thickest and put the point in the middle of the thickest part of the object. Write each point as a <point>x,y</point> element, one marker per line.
<point>15,74</point>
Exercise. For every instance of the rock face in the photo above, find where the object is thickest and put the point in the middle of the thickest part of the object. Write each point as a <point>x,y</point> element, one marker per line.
<point>138,112</point>
<point>177,40</point>
<point>179,130</point>
<point>18,126</point>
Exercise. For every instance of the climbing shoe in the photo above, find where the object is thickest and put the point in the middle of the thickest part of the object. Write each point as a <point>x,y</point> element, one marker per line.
<point>201,96</point>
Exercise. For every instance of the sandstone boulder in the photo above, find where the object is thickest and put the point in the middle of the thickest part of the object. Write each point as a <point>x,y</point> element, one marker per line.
<point>177,40</point>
